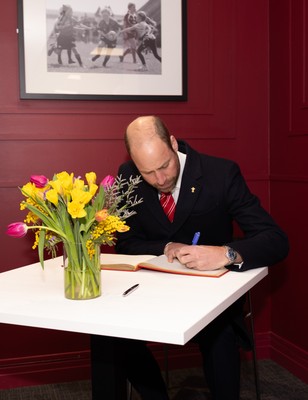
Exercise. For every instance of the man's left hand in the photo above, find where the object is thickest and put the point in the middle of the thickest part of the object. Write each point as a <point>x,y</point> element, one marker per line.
<point>204,258</point>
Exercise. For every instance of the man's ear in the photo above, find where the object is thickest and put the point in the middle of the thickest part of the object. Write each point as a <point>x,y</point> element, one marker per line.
<point>174,143</point>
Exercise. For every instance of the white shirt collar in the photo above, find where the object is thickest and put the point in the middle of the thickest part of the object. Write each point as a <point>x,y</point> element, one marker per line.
<point>176,190</point>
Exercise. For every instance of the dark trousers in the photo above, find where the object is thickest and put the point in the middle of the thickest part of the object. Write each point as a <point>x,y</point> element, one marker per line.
<point>131,359</point>
<point>219,348</point>
<point>150,43</point>
<point>116,360</point>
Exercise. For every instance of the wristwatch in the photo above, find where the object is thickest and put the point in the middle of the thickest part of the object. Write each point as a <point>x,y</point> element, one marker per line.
<point>231,255</point>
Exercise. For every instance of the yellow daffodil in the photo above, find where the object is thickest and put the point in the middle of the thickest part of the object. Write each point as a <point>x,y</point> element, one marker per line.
<point>52,196</point>
<point>91,178</point>
<point>66,182</point>
<point>79,184</point>
<point>29,189</point>
<point>93,189</point>
<point>57,185</point>
<point>76,209</point>
<point>81,196</point>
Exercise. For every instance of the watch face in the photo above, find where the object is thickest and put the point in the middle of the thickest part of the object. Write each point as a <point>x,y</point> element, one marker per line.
<point>231,254</point>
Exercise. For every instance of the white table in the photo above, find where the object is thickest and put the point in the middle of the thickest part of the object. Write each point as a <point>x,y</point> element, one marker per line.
<point>165,308</point>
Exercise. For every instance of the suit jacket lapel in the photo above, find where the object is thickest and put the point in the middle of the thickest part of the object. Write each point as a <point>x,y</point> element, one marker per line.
<point>190,190</point>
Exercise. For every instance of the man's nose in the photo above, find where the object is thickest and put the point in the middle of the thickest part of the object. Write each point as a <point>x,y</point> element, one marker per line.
<point>160,177</point>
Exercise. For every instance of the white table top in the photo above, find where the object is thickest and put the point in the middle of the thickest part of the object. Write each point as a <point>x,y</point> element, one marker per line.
<point>165,308</point>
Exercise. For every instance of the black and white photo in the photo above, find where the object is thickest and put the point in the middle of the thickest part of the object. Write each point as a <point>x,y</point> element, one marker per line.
<point>88,50</point>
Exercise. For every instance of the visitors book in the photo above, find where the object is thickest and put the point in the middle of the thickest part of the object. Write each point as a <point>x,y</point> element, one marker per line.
<point>123,262</point>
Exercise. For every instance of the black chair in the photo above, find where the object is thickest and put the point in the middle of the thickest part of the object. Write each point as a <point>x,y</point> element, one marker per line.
<point>249,316</point>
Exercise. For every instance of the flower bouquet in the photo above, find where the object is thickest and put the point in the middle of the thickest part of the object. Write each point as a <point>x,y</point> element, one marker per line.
<point>81,215</point>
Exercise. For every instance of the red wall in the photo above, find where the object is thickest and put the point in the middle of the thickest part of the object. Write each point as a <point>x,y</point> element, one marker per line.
<point>226,114</point>
<point>289,179</point>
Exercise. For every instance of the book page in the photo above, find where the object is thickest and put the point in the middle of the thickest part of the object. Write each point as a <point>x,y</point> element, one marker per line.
<point>123,262</point>
<point>161,263</point>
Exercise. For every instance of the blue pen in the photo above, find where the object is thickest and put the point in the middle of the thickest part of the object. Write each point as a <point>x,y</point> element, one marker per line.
<point>196,238</point>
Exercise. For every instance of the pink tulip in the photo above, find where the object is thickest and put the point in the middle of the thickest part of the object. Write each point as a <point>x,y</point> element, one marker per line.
<point>108,181</point>
<point>17,229</point>
<point>39,181</point>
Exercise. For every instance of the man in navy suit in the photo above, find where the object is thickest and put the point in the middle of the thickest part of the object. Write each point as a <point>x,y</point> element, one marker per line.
<point>210,194</point>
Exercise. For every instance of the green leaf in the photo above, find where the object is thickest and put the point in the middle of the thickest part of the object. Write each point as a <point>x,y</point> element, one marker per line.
<point>90,212</point>
<point>82,228</point>
<point>41,245</point>
<point>99,199</point>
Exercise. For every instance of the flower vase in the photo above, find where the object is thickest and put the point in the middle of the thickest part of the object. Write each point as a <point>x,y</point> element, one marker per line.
<point>82,271</point>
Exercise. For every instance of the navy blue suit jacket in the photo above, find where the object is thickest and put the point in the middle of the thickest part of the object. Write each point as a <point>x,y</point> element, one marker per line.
<point>213,195</point>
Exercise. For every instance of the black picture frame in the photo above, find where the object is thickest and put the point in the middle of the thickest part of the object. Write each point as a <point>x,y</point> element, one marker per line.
<point>42,77</point>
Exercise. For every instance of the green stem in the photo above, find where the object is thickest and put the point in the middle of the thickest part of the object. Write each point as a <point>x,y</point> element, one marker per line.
<point>47,228</point>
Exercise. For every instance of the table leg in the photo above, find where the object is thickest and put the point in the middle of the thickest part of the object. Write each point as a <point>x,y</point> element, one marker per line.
<point>108,377</point>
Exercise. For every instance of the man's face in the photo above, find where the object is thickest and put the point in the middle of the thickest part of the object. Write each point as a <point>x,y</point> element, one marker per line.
<point>105,16</point>
<point>158,164</point>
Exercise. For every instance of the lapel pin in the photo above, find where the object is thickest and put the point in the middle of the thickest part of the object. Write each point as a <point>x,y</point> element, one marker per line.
<point>193,189</point>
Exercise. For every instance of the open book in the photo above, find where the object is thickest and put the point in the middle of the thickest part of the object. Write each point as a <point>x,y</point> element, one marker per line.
<point>123,262</point>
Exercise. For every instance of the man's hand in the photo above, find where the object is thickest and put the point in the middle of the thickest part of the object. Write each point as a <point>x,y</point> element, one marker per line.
<point>171,249</point>
<point>204,258</point>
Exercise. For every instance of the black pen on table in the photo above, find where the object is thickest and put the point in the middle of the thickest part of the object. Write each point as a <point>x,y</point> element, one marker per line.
<point>195,238</point>
<point>130,290</point>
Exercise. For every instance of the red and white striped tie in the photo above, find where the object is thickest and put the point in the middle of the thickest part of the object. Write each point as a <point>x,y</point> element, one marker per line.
<point>168,204</point>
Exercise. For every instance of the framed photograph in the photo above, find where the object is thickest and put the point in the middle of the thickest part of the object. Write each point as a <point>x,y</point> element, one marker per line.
<point>84,50</point>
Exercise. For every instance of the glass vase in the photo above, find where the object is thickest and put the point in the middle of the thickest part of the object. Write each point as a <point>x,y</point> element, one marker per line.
<point>82,272</point>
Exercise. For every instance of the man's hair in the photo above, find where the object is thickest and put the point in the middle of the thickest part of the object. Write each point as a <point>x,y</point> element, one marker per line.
<point>142,15</point>
<point>160,129</point>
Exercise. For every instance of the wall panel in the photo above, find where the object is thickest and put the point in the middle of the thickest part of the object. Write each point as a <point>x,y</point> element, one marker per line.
<point>298,40</point>
<point>289,179</point>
